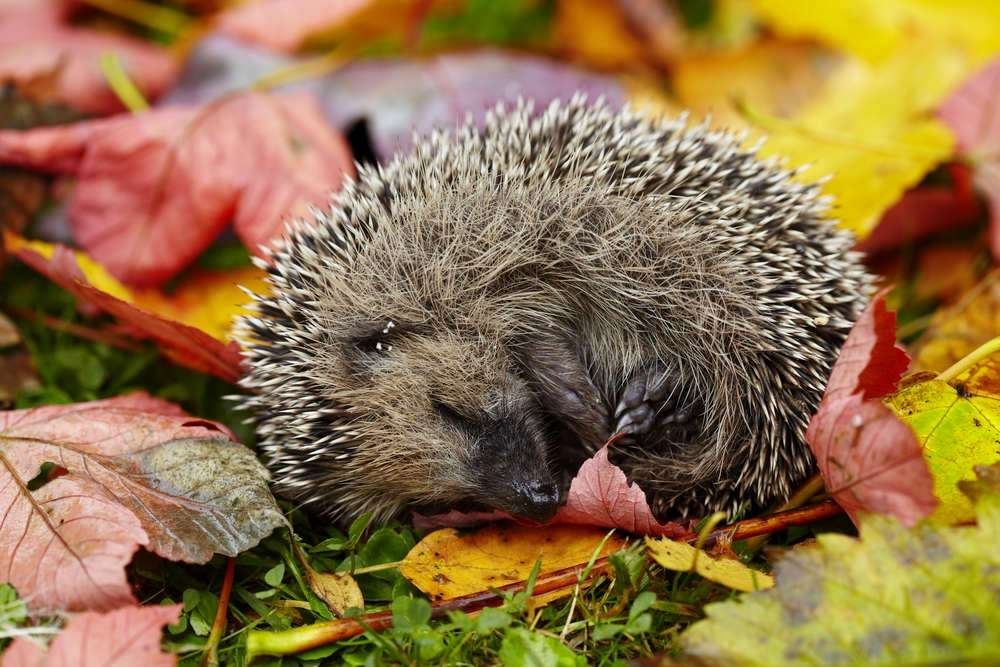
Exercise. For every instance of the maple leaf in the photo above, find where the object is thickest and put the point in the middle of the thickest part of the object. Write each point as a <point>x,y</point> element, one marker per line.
<point>184,344</point>
<point>139,471</point>
<point>973,114</point>
<point>36,41</point>
<point>154,189</point>
<point>126,636</point>
<point>870,461</point>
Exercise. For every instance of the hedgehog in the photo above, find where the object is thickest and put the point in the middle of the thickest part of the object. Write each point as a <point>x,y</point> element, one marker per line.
<point>468,323</point>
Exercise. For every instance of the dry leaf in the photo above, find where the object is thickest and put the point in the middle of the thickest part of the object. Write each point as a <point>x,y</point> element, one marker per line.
<point>961,328</point>
<point>139,472</point>
<point>682,557</point>
<point>448,564</point>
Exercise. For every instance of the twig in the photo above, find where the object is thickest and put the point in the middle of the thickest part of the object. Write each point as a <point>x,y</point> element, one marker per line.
<point>772,523</point>
<point>78,330</point>
<point>210,654</point>
<point>260,642</point>
<point>987,349</point>
<point>812,486</point>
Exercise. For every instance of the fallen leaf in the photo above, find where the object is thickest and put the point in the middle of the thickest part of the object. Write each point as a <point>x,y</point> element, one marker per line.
<point>184,344</point>
<point>17,374</point>
<point>682,557</point>
<point>155,189</point>
<point>139,472</point>
<point>448,564</point>
<point>959,329</point>
<point>36,41</point>
<point>207,300</point>
<point>973,114</point>
<point>596,33</point>
<point>958,425</point>
<point>920,596</point>
<point>600,495</point>
<point>877,31</point>
<point>126,636</point>
<point>340,592</point>
<point>9,335</point>
<point>768,76</point>
<point>870,461</point>
<point>871,146</point>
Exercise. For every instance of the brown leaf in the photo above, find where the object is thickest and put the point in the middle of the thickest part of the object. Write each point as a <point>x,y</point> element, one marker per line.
<point>127,636</point>
<point>17,374</point>
<point>139,471</point>
<point>959,329</point>
<point>9,335</point>
<point>340,592</point>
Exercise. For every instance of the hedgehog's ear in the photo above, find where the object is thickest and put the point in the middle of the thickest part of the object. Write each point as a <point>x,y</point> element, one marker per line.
<point>555,369</point>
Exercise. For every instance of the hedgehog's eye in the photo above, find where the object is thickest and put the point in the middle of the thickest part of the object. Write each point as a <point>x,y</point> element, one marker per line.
<point>376,341</point>
<point>449,413</point>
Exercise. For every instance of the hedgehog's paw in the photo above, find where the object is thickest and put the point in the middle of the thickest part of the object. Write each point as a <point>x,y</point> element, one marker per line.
<point>650,398</point>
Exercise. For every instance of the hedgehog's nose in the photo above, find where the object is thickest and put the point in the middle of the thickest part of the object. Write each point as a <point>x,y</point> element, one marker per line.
<point>538,501</point>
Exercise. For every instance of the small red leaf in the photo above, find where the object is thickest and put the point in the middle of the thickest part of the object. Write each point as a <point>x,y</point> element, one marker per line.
<point>127,636</point>
<point>870,460</point>
<point>973,113</point>
<point>35,42</point>
<point>154,189</point>
<point>600,495</point>
<point>183,344</point>
<point>870,362</point>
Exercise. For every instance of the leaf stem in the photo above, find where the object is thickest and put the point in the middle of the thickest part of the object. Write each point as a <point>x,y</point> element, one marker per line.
<point>210,654</point>
<point>987,349</point>
<point>120,82</point>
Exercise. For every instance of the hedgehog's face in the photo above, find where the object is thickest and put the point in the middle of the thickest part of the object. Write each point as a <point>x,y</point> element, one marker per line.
<point>445,419</point>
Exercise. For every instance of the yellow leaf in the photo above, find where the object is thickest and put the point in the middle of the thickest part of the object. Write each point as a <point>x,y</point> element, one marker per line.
<point>448,564</point>
<point>207,300</point>
<point>958,330</point>
<point>959,427</point>
<point>871,145</point>
<point>876,30</point>
<point>595,32</point>
<point>769,76</point>
<point>682,557</point>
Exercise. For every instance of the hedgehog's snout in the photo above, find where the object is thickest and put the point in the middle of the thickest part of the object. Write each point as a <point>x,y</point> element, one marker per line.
<point>537,500</point>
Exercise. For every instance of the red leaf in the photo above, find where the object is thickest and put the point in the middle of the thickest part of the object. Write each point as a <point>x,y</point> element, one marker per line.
<point>600,495</point>
<point>285,24</point>
<point>36,42</point>
<point>973,113</point>
<point>183,344</point>
<point>155,189</point>
<point>127,636</point>
<point>870,362</point>
<point>138,471</point>
<point>870,460</point>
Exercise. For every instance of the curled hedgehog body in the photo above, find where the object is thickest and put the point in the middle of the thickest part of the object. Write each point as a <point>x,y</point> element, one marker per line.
<point>468,323</point>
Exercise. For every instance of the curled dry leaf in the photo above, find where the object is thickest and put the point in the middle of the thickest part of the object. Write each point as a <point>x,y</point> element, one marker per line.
<point>973,114</point>
<point>682,557</point>
<point>126,636</point>
<point>36,41</point>
<point>147,315</point>
<point>155,189</point>
<point>447,564</point>
<point>870,461</point>
<point>139,471</point>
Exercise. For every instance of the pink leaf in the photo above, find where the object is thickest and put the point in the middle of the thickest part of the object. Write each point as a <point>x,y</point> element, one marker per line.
<point>127,636</point>
<point>155,189</point>
<point>138,471</point>
<point>600,495</point>
<point>870,460</point>
<point>36,42</point>
<point>285,24</point>
<point>183,344</point>
<point>973,113</point>
<point>870,362</point>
